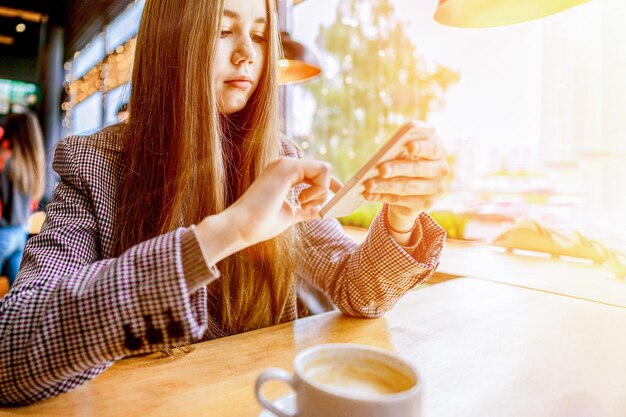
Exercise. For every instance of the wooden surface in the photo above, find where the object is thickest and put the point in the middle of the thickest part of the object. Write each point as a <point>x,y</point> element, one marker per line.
<point>483,349</point>
<point>574,278</point>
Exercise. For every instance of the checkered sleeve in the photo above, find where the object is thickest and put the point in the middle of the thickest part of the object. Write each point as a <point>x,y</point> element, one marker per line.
<point>71,313</point>
<point>368,279</point>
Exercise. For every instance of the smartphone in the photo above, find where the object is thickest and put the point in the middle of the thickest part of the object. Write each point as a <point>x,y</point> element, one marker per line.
<point>350,196</point>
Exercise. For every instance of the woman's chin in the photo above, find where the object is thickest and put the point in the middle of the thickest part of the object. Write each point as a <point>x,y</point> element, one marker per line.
<point>232,107</point>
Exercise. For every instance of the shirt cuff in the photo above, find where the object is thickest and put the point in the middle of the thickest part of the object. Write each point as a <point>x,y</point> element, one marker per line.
<point>426,240</point>
<point>197,272</point>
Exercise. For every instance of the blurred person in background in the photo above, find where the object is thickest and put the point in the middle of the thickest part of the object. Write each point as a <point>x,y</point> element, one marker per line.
<point>5,150</point>
<point>22,182</point>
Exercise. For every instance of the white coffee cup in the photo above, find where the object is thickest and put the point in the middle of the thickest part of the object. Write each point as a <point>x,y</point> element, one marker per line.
<point>348,380</point>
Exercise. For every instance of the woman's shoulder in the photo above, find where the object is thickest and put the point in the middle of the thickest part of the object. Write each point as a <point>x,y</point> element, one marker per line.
<point>108,139</point>
<point>94,153</point>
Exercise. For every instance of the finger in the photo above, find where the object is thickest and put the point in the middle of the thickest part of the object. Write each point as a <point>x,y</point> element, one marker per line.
<point>316,172</point>
<point>312,193</point>
<point>404,154</point>
<point>413,169</point>
<point>425,148</point>
<point>335,184</point>
<point>307,213</point>
<point>316,202</point>
<point>404,186</point>
<point>297,171</point>
<point>413,203</point>
<point>420,134</point>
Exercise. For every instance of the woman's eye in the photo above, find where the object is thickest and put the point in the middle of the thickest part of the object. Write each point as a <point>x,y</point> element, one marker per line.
<point>225,33</point>
<point>257,38</point>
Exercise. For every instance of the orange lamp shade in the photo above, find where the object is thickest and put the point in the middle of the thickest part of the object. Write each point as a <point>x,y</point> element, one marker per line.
<point>491,13</point>
<point>299,63</point>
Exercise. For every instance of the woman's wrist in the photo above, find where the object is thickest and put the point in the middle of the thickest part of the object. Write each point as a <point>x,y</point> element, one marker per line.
<point>400,223</point>
<point>402,226</point>
<point>218,238</point>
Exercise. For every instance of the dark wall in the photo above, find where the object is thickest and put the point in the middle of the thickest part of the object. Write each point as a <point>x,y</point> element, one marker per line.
<point>81,20</point>
<point>19,68</point>
<point>19,61</point>
<point>86,18</point>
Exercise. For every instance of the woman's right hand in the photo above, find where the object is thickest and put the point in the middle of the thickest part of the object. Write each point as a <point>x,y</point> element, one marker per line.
<point>264,210</point>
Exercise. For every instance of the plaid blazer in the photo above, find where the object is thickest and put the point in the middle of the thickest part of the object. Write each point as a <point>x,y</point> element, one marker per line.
<point>75,309</point>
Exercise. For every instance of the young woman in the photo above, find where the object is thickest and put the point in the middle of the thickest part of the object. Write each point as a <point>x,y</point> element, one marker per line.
<point>22,182</point>
<point>193,220</point>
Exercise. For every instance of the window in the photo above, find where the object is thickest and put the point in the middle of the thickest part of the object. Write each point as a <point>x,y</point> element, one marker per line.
<point>87,115</point>
<point>532,115</point>
<point>124,27</point>
<point>89,57</point>
<point>105,69</point>
<point>114,100</point>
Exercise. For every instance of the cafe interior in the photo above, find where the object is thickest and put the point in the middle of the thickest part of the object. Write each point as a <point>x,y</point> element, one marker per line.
<point>524,315</point>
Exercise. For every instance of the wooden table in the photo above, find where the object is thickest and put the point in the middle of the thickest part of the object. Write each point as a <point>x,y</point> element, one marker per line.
<point>533,270</point>
<point>483,349</point>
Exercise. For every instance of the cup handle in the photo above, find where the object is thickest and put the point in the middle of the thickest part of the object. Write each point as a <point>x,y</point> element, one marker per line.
<point>268,375</point>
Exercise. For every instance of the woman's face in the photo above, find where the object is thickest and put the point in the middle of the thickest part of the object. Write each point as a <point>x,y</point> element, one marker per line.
<point>241,53</point>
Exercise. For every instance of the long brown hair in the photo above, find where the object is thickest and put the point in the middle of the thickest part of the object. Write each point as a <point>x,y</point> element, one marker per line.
<point>185,161</point>
<point>24,132</point>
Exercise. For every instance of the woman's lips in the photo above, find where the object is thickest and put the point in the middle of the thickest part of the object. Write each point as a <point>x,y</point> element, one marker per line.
<point>241,84</point>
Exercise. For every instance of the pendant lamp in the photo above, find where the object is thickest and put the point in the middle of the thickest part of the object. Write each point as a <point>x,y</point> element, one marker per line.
<point>299,63</point>
<point>491,13</point>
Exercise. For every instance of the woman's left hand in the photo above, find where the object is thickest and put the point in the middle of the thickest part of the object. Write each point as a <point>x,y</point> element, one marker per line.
<point>411,183</point>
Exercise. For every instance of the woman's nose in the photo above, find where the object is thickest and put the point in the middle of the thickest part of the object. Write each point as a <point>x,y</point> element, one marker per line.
<point>244,52</point>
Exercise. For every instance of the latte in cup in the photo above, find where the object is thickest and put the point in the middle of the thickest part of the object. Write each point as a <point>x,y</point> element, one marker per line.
<point>358,377</point>
<point>347,380</point>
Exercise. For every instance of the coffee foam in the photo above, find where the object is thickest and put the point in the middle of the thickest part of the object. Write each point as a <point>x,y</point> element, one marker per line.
<point>358,377</point>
